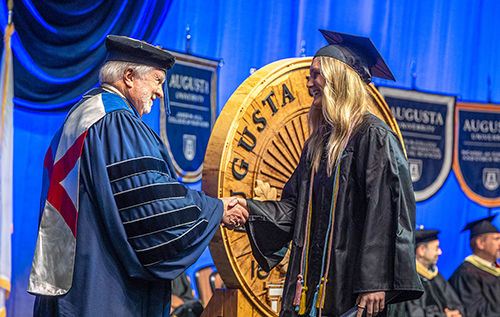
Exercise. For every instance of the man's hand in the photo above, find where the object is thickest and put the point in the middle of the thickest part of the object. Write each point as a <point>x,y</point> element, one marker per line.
<point>452,313</point>
<point>235,212</point>
<point>374,303</point>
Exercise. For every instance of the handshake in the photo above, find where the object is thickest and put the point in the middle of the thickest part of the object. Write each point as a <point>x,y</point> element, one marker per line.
<point>235,212</point>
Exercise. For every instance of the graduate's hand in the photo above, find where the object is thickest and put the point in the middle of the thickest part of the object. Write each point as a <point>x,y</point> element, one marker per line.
<point>238,201</point>
<point>452,313</point>
<point>374,303</point>
<point>235,212</point>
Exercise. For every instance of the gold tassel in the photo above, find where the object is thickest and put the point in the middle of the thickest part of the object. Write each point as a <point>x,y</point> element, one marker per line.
<point>320,295</point>
<point>302,309</point>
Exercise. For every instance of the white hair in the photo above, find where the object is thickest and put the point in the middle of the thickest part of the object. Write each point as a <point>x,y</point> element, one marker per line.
<point>113,71</point>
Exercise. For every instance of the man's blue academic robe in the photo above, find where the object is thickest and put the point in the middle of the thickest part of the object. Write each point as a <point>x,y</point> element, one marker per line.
<point>138,227</point>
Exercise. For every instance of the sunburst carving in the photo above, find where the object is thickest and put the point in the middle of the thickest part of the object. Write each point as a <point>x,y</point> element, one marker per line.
<point>282,156</point>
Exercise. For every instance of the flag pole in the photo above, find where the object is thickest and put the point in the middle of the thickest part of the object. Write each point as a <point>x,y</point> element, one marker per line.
<point>10,7</point>
<point>6,146</point>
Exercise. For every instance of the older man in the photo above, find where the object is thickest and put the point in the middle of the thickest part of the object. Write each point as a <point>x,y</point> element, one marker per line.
<point>138,228</point>
<point>439,299</point>
<point>477,279</point>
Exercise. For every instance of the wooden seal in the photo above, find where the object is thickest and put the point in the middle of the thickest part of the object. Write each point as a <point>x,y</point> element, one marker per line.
<point>254,148</point>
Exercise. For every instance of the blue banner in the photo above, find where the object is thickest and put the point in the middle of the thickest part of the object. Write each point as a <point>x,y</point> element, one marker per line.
<point>477,152</point>
<point>426,123</point>
<point>192,90</point>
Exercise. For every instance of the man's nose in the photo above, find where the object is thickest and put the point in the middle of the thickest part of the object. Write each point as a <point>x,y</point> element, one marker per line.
<point>159,92</point>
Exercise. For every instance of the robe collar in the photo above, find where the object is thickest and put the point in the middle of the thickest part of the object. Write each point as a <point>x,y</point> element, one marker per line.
<point>483,264</point>
<point>425,272</point>
<point>112,89</point>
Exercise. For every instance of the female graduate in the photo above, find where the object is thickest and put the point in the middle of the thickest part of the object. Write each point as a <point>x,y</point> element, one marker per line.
<point>349,207</point>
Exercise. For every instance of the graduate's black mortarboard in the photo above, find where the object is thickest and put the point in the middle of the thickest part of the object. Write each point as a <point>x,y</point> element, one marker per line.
<point>126,49</point>
<point>481,226</point>
<point>424,235</point>
<point>358,52</point>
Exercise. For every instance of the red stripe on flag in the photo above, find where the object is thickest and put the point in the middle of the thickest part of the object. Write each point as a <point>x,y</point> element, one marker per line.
<point>57,195</point>
<point>68,161</point>
<point>61,201</point>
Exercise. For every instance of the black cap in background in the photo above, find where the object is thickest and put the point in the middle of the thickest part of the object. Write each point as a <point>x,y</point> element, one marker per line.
<point>424,235</point>
<point>481,226</point>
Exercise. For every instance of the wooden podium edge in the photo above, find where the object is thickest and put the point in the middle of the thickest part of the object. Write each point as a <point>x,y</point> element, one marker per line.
<point>228,303</point>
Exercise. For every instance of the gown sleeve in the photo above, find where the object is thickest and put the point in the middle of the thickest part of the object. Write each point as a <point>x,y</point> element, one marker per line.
<point>270,224</point>
<point>386,260</point>
<point>157,226</point>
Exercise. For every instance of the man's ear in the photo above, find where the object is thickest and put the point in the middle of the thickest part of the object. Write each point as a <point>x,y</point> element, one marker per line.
<point>480,242</point>
<point>128,77</point>
<point>420,250</point>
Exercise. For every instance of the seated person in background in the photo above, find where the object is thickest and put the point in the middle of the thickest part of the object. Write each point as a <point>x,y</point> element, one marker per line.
<point>477,279</point>
<point>183,302</point>
<point>439,298</point>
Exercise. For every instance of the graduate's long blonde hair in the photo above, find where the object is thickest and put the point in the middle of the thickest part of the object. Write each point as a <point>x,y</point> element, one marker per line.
<point>345,99</point>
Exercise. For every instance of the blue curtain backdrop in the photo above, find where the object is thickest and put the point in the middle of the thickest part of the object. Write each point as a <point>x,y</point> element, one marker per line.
<point>454,46</point>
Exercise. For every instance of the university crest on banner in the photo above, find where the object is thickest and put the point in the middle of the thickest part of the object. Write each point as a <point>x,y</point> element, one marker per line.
<point>476,160</point>
<point>192,90</point>
<point>426,123</point>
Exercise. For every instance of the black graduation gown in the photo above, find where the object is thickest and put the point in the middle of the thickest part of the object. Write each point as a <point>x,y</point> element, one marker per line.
<point>373,246</point>
<point>182,288</point>
<point>437,296</point>
<point>190,307</point>
<point>479,290</point>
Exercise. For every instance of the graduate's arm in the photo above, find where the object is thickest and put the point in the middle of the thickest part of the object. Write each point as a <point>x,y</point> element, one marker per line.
<point>271,223</point>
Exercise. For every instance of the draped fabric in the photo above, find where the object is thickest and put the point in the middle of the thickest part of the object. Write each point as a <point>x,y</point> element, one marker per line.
<point>452,45</point>
<point>58,49</point>
<point>60,45</point>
